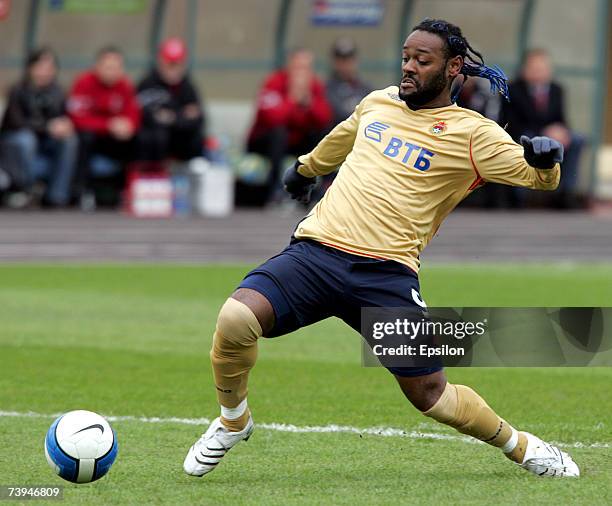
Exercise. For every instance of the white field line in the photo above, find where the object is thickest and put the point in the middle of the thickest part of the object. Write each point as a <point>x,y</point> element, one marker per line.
<point>283,427</point>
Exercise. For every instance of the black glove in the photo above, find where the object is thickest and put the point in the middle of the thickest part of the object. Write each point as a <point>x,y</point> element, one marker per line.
<point>298,186</point>
<point>542,152</point>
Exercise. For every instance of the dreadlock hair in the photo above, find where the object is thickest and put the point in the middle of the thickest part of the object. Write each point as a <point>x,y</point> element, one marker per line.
<point>455,44</point>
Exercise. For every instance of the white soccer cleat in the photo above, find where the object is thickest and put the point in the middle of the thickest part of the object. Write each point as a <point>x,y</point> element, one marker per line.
<point>208,451</point>
<point>545,459</point>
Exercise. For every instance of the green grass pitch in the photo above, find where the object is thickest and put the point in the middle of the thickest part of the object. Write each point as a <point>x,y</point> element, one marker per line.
<point>134,340</point>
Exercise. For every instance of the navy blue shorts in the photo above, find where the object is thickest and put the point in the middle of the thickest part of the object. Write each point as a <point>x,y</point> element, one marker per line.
<point>308,282</point>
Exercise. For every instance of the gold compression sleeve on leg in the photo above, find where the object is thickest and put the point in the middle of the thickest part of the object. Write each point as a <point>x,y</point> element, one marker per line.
<point>463,409</point>
<point>233,354</point>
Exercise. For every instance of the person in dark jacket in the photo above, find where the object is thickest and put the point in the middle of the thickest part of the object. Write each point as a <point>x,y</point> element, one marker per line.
<point>537,107</point>
<point>37,137</point>
<point>345,88</point>
<point>173,120</point>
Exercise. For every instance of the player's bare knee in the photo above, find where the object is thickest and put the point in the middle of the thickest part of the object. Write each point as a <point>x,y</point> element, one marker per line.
<point>259,305</point>
<point>423,391</point>
<point>429,393</point>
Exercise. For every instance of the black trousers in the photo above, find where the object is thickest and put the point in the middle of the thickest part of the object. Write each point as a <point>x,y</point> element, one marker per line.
<point>274,145</point>
<point>156,143</point>
<point>91,144</point>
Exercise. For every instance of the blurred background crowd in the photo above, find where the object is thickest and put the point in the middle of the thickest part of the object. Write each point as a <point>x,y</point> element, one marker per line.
<point>112,131</point>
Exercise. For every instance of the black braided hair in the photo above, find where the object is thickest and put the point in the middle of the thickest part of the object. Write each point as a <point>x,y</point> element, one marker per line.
<point>473,62</point>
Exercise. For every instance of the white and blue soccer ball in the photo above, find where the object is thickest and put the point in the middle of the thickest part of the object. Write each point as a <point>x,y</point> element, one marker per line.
<point>81,446</point>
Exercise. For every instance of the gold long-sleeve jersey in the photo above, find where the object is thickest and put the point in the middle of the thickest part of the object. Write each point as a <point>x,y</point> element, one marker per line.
<point>403,171</point>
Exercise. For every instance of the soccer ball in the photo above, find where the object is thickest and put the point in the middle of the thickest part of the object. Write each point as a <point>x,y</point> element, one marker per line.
<point>81,446</point>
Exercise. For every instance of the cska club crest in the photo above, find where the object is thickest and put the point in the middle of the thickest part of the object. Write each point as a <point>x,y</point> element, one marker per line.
<point>438,128</point>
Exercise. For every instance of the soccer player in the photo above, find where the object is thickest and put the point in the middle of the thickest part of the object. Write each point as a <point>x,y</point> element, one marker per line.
<point>408,156</point>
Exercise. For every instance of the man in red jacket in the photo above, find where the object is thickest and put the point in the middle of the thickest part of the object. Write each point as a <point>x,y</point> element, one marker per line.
<point>292,114</point>
<point>105,111</point>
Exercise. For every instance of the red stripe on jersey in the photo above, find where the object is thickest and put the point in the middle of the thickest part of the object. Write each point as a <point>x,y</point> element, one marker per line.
<point>473,163</point>
<point>479,180</point>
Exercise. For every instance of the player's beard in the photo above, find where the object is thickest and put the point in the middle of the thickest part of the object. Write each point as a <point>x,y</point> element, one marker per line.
<point>425,92</point>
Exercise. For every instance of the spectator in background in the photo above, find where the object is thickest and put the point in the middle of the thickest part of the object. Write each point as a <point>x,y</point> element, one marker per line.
<point>537,107</point>
<point>37,138</point>
<point>476,95</point>
<point>345,89</point>
<point>105,111</point>
<point>172,118</point>
<point>292,115</point>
